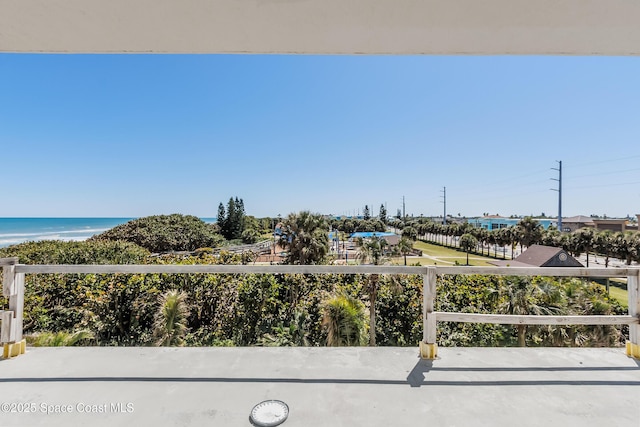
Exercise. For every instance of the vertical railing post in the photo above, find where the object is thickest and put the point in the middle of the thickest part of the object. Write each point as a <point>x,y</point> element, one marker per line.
<point>428,346</point>
<point>12,320</point>
<point>633,291</point>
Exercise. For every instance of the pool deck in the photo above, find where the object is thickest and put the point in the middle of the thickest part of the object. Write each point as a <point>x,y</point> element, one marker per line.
<point>322,386</point>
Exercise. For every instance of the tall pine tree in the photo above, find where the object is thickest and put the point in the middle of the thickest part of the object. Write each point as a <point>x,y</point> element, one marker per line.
<point>222,217</point>
<point>232,224</point>
<point>383,214</point>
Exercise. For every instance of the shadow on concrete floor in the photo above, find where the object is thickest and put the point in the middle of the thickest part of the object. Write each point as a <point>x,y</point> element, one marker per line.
<point>416,378</point>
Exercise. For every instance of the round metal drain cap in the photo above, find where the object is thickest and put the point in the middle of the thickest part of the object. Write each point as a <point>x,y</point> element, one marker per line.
<point>269,413</point>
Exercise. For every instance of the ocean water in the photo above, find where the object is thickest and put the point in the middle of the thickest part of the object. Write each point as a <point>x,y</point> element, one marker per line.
<point>18,230</point>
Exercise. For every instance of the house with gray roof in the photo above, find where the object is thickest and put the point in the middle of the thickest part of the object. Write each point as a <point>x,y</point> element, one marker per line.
<point>541,256</point>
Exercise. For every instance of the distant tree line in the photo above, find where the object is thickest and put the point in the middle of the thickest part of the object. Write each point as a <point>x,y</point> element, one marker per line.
<point>606,243</point>
<point>352,225</point>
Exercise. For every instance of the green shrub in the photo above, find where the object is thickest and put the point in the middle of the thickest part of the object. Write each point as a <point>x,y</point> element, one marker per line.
<point>59,339</point>
<point>85,252</point>
<point>344,320</point>
<point>165,233</point>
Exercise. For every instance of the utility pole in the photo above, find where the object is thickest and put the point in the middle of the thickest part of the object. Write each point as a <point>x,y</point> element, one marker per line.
<point>559,190</point>
<point>444,200</point>
<point>403,213</point>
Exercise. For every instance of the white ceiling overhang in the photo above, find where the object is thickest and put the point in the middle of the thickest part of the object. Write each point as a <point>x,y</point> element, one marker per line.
<point>555,27</point>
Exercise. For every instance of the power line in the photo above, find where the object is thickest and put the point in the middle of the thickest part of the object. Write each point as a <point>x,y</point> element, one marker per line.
<point>606,173</point>
<point>618,184</point>
<point>513,178</point>
<point>506,195</point>
<point>487,192</point>
<point>503,189</point>
<point>604,161</point>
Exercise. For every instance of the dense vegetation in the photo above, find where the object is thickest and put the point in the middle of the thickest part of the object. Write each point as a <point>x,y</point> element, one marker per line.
<point>165,233</point>
<point>88,252</point>
<point>304,236</point>
<point>260,309</point>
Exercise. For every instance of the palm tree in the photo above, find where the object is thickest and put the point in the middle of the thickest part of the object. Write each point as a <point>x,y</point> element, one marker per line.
<point>493,241</point>
<point>551,237</point>
<point>481,235</point>
<point>372,249</point>
<point>585,240</point>
<point>441,230</point>
<point>634,241</point>
<point>453,231</point>
<point>514,238</point>
<point>626,246</point>
<point>429,229</point>
<point>569,243</point>
<point>423,229</point>
<point>580,300</point>
<point>604,244</point>
<point>503,238</point>
<point>343,319</point>
<point>467,243</point>
<point>170,325</point>
<point>405,245</point>
<point>410,232</point>
<point>305,236</point>
<point>521,297</point>
<point>530,231</point>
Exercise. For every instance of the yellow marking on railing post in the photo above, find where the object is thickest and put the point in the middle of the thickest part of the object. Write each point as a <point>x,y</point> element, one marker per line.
<point>633,350</point>
<point>12,320</point>
<point>14,349</point>
<point>633,292</point>
<point>428,351</point>
<point>428,346</point>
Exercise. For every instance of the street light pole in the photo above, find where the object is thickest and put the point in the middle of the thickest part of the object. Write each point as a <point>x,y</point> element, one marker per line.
<point>444,197</point>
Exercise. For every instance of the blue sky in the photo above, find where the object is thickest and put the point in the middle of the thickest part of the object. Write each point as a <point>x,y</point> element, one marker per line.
<point>135,135</point>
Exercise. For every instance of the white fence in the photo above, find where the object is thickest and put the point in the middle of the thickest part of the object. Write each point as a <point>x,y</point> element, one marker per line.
<point>13,287</point>
<point>428,348</point>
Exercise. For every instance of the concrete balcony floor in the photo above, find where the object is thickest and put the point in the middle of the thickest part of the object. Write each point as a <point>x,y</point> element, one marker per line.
<point>322,386</point>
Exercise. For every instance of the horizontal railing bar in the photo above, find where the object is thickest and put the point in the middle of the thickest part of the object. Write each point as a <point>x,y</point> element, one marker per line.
<point>509,319</point>
<point>540,271</point>
<point>201,268</point>
<point>324,269</point>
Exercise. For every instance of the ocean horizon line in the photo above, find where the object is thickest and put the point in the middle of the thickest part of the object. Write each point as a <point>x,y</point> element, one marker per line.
<point>16,230</point>
<point>126,218</point>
